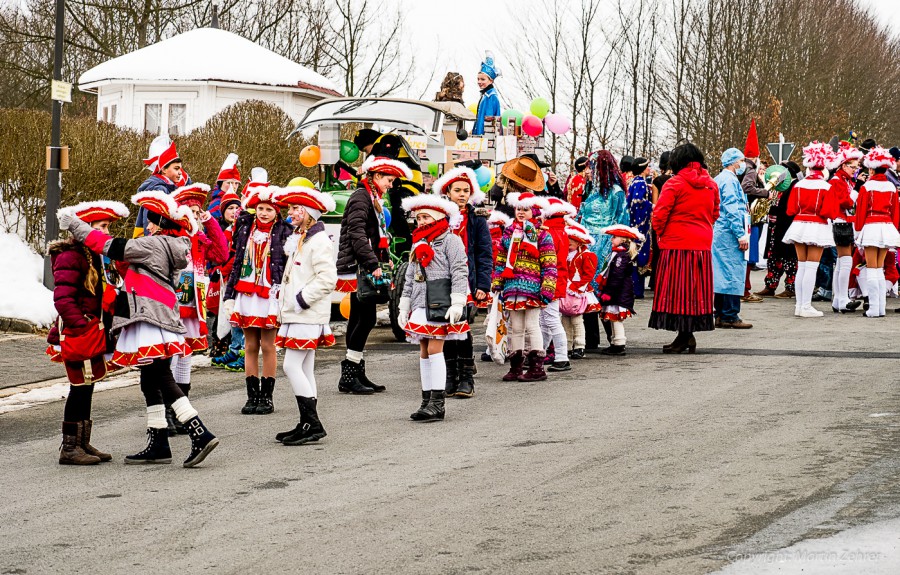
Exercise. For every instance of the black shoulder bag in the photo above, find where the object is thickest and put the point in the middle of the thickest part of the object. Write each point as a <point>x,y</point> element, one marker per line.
<point>437,298</point>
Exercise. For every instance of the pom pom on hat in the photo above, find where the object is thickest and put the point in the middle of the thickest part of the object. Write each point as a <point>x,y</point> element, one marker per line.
<point>818,155</point>
<point>878,157</point>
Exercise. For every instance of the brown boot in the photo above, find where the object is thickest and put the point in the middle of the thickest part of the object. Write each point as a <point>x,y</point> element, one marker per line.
<point>785,295</point>
<point>516,360</point>
<point>86,442</point>
<point>535,368</point>
<point>739,324</point>
<point>71,453</point>
<point>767,292</point>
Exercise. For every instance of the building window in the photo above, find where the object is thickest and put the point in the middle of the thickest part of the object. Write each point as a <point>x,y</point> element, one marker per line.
<point>112,114</point>
<point>177,119</point>
<point>152,118</point>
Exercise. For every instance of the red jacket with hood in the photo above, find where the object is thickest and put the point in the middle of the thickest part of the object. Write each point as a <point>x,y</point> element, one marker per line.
<point>687,209</point>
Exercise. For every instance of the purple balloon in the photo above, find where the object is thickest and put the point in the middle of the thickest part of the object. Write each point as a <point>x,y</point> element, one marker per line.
<point>558,124</point>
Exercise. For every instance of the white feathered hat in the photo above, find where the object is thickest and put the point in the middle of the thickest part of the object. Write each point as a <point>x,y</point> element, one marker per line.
<point>315,202</point>
<point>97,211</point>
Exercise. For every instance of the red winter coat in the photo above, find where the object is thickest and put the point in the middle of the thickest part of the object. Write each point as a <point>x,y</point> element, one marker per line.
<point>841,186</point>
<point>687,208</point>
<point>556,227</point>
<point>877,203</point>
<point>813,201</point>
<point>73,301</point>
<point>584,267</point>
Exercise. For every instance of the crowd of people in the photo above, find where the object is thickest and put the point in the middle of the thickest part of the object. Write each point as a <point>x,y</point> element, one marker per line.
<point>245,271</point>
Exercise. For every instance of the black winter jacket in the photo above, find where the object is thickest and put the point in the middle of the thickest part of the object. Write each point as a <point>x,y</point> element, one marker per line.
<point>619,284</point>
<point>480,252</point>
<point>358,243</point>
<point>281,230</point>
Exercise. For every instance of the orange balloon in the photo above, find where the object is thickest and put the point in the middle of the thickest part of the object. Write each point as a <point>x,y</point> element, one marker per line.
<point>345,306</point>
<point>310,156</point>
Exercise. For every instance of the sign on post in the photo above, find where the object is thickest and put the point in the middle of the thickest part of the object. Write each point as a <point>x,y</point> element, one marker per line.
<point>61,91</point>
<point>780,151</point>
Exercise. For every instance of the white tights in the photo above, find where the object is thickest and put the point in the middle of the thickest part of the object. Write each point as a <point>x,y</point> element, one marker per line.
<point>298,367</point>
<point>841,282</point>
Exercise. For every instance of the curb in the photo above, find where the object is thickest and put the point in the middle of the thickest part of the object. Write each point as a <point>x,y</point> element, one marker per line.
<point>9,324</point>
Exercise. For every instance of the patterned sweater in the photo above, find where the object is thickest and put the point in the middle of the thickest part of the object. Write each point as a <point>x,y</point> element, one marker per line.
<point>535,277</point>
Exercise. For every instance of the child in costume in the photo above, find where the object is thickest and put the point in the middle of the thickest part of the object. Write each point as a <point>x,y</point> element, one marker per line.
<point>582,264</point>
<point>259,259</point>
<point>489,101</point>
<point>232,349</point>
<point>617,293</point>
<point>552,330</point>
<point>437,254</point>
<point>79,296</point>
<point>310,276</point>
<point>525,281</point>
<point>147,319</point>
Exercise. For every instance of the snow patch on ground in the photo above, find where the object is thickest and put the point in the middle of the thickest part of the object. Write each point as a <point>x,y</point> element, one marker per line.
<point>22,293</point>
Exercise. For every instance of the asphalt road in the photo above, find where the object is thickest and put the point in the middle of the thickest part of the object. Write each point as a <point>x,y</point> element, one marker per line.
<point>642,464</point>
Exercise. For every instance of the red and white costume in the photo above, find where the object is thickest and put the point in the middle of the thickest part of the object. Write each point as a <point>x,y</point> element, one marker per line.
<point>877,211</point>
<point>812,202</point>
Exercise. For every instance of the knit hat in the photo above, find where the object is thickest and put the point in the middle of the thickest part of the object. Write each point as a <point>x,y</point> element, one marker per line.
<point>579,233</point>
<point>557,207</point>
<point>845,153</point>
<point>259,178</point>
<point>97,211</point>
<point>191,194</point>
<point>382,165</point>
<point>819,155</point>
<point>165,207</point>
<point>459,174</point>
<point>162,153</point>
<point>229,169</point>
<point>313,201</point>
<point>227,200</point>
<point>878,157</point>
<point>433,205</point>
<point>621,231</point>
<point>525,172</point>
<point>730,156</point>
<point>526,200</point>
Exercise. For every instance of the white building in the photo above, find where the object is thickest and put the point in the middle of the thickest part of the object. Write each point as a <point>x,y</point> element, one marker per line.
<point>179,83</point>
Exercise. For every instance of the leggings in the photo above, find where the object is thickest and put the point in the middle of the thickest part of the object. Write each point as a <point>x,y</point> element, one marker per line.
<point>574,327</point>
<point>78,404</point>
<point>525,330</point>
<point>157,383</point>
<point>298,367</point>
<point>362,320</point>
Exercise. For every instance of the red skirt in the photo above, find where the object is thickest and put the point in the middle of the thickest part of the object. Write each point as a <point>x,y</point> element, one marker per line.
<point>683,298</point>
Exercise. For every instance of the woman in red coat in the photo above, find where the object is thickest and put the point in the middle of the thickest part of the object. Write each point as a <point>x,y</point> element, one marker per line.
<point>683,220</point>
<point>80,282</point>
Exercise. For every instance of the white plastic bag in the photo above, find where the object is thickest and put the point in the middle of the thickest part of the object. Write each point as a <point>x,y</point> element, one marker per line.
<point>495,335</point>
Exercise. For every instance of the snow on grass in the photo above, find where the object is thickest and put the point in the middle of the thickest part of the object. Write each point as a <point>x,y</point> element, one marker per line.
<point>22,293</point>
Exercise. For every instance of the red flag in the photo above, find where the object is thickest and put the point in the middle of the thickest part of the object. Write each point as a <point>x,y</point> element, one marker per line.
<point>751,147</point>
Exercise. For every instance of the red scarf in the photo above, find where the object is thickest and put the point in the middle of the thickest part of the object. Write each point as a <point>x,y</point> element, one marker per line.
<point>383,240</point>
<point>264,227</point>
<point>422,237</point>
<point>520,239</point>
<point>462,230</point>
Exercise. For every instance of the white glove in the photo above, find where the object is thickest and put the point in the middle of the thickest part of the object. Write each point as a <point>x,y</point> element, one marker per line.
<point>65,219</point>
<point>229,308</point>
<point>457,307</point>
<point>403,311</point>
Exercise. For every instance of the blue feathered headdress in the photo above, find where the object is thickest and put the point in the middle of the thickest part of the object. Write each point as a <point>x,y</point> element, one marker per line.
<point>488,67</point>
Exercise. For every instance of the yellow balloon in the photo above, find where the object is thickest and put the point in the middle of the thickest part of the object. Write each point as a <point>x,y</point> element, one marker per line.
<point>302,182</point>
<point>473,108</point>
<point>345,306</point>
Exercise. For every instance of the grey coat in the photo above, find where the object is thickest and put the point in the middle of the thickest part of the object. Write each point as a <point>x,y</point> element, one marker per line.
<point>449,261</point>
<point>155,260</point>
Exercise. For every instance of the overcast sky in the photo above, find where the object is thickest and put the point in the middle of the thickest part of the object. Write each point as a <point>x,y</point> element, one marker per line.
<point>456,34</point>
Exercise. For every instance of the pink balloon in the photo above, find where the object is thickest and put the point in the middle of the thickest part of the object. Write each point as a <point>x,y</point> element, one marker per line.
<point>558,124</point>
<point>532,126</point>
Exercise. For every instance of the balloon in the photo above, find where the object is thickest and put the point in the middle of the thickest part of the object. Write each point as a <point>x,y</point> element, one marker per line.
<point>387,217</point>
<point>433,169</point>
<point>505,117</point>
<point>349,152</point>
<point>302,182</point>
<point>540,107</point>
<point>483,175</point>
<point>345,306</point>
<point>532,126</point>
<point>558,124</point>
<point>310,156</point>
<point>473,107</point>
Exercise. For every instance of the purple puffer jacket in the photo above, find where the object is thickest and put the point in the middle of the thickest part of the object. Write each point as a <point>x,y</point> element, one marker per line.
<point>281,231</point>
<point>619,284</point>
<point>72,300</point>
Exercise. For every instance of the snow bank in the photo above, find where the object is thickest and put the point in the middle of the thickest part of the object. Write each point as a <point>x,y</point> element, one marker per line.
<point>22,293</point>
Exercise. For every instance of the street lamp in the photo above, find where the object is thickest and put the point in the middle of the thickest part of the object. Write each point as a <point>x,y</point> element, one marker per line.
<point>54,152</point>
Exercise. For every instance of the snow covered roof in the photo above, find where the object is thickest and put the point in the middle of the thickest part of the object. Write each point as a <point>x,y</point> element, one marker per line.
<point>208,54</point>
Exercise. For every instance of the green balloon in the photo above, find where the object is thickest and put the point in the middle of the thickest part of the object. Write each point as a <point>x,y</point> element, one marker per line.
<point>540,107</point>
<point>433,169</point>
<point>349,152</point>
<point>505,117</point>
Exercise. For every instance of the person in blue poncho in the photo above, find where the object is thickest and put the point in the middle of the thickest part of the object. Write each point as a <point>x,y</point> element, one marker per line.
<point>731,238</point>
<point>489,102</point>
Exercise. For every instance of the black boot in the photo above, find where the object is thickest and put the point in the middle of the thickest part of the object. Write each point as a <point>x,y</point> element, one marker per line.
<point>466,387</point>
<point>577,353</point>
<point>202,441</point>
<point>349,382</point>
<point>172,422</point>
<point>614,350</point>
<point>265,406</point>
<point>433,410</point>
<point>311,427</point>
<point>364,379</point>
<point>426,397</point>
<point>157,450</point>
<point>180,429</point>
<point>252,396</point>
<point>453,375</point>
